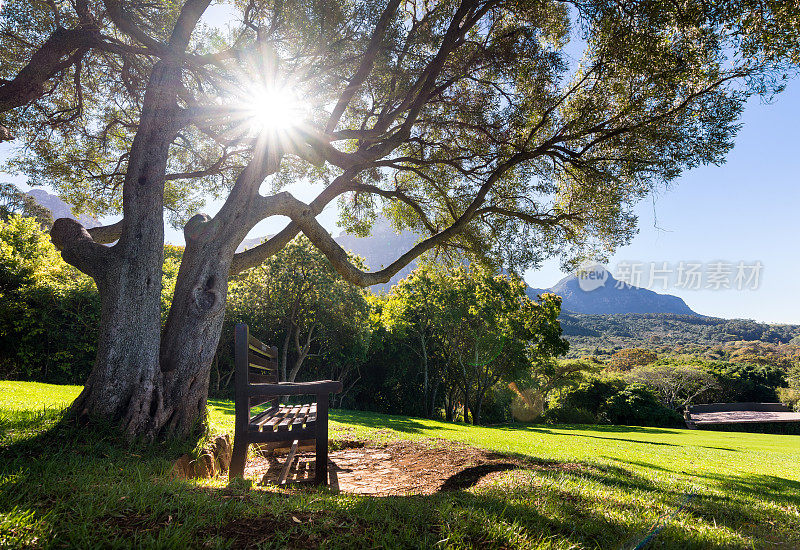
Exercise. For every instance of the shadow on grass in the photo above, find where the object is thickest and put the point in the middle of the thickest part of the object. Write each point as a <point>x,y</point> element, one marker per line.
<point>89,488</point>
<point>53,432</point>
<point>554,429</point>
<point>370,420</point>
<point>756,486</point>
<point>572,432</point>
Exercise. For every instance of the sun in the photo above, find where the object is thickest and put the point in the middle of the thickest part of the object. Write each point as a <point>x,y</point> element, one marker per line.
<point>275,110</point>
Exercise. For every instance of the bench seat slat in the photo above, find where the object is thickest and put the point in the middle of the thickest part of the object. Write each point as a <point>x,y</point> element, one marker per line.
<point>301,416</point>
<point>262,417</point>
<point>288,418</point>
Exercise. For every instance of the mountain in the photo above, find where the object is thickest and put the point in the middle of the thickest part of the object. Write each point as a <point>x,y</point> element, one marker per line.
<point>612,296</point>
<point>379,249</point>
<point>60,209</point>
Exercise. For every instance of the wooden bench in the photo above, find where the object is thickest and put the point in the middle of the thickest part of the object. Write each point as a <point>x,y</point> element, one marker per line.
<point>257,383</point>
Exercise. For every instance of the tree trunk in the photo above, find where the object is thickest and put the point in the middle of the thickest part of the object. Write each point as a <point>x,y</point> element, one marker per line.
<point>284,362</point>
<point>433,399</point>
<point>302,352</point>
<point>425,389</point>
<point>125,385</point>
<point>476,410</point>
<point>193,328</point>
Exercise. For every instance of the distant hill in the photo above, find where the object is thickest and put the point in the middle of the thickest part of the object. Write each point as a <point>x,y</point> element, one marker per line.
<point>380,249</point>
<point>613,297</point>
<point>384,245</point>
<point>59,208</point>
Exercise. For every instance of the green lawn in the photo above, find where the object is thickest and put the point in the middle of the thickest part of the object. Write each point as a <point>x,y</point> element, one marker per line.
<point>62,487</point>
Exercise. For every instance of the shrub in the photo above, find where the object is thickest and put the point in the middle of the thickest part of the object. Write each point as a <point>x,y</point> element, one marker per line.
<point>567,415</point>
<point>610,401</point>
<point>527,405</point>
<point>637,405</point>
<point>790,396</point>
<point>590,395</point>
<point>49,312</point>
<point>747,382</point>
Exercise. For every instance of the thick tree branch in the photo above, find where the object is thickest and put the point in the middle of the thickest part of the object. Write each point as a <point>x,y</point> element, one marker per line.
<point>255,256</point>
<point>300,213</point>
<point>79,249</point>
<point>106,234</point>
<point>373,48</point>
<point>127,26</point>
<point>191,12</point>
<point>55,55</point>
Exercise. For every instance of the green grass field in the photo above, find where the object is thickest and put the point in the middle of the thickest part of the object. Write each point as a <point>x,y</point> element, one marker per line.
<point>61,486</point>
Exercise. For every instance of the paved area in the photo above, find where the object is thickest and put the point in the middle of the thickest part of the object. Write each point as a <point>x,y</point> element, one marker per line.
<point>736,417</point>
<point>397,468</point>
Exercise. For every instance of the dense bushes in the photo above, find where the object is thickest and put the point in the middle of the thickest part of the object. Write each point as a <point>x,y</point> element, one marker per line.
<point>747,382</point>
<point>610,401</point>
<point>49,312</point>
<point>567,415</point>
<point>637,405</point>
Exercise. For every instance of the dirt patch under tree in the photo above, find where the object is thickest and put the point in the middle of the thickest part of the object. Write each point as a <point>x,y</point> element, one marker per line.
<point>395,468</point>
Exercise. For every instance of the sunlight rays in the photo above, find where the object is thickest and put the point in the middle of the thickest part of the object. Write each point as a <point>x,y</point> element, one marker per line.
<point>273,110</point>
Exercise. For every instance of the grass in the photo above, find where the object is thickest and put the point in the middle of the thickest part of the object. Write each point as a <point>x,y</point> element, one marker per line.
<point>65,486</point>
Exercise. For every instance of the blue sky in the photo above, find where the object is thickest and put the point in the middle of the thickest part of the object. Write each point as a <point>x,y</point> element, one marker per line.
<point>747,210</point>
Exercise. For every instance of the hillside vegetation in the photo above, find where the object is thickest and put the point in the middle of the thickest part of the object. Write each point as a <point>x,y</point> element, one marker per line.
<point>654,330</point>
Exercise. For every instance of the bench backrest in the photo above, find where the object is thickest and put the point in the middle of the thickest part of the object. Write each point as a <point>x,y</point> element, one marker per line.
<point>255,363</point>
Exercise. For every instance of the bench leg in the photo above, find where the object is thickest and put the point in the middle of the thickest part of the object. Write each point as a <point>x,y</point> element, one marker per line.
<point>238,458</point>
<point>321,459</point>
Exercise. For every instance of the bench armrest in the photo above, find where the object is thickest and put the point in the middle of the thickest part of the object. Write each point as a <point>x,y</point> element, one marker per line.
<point>296,388</point>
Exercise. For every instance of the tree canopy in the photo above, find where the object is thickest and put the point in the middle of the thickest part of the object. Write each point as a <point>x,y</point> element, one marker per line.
<point>298,297</point>
<point>513,129</point>
<point>472,328</point>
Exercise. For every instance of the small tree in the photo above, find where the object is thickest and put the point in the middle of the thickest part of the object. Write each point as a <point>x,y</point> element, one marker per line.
<point>676,385</point>
<point>490,330</point>
<point>411,310</point>
<point>298,298</point>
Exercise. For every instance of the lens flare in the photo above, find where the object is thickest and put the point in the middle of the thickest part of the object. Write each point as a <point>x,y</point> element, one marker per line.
<point>274,110</point>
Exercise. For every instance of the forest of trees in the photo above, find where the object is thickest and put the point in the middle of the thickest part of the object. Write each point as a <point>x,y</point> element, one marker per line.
<point>446,342</point>
<point>447,337</point>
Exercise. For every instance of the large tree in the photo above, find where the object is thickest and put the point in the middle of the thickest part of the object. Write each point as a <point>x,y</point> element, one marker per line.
<point>513,129</point>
